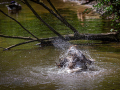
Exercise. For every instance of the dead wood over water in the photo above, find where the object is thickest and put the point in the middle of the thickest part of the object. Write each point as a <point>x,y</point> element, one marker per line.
<point>113,36</point>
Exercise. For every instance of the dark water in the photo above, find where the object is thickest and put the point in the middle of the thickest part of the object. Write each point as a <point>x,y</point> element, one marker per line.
<point>31,67</point>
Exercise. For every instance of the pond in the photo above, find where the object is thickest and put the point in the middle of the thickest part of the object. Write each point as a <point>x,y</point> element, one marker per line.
<point>31,67</point>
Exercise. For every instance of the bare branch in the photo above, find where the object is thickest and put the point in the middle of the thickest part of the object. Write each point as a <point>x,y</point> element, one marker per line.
<point>19,24</point>
<point>102,36</point>
<point>19,44</point>
<point>27,38</point>
<point>35,13</point>
<point>59,17</point>
<point>63,19</point>
<point>17,37</point>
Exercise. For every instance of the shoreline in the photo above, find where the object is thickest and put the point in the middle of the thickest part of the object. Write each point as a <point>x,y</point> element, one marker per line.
<point>84,4</point>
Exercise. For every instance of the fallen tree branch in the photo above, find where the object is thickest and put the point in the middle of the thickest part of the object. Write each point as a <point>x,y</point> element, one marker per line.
<point>35,13</point>
<point>58,17</point>
<point>102,36</point>
<point>27,38</point>
<point>62,19</point>
<point>19,44</point>
<point>19,24</point>
<point>48,41</point>
<point>17,37</point>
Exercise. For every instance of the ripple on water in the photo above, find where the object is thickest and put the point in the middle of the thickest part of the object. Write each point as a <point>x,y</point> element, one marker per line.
<point>64,79</point>
<point>55,74</point>
<point>43,75</point>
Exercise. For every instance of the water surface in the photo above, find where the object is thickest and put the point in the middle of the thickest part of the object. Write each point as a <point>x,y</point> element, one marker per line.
<point>30,67</point>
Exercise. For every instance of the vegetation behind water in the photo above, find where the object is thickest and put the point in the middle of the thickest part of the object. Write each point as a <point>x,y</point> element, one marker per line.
<point>111,10</point>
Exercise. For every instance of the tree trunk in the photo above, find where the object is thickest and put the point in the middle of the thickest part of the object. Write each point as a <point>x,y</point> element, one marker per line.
<point>113,36</point>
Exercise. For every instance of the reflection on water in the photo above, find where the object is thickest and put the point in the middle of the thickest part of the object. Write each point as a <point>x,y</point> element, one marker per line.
<point>86,15</point>
<point>84,23</point>
<point>30,67</point>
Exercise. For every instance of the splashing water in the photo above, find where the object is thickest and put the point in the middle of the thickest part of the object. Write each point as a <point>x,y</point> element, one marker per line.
<point>42,75</point>
<point>69,51</point>
<point>61,44</point>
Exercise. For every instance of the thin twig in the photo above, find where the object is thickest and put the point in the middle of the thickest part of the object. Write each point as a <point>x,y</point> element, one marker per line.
<point>17,37</point>
<point>28,38</point>
<point>19,44</point>
<point>19,24</point>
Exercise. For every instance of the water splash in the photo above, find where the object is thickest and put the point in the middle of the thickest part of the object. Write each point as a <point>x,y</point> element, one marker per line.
<point>45,75</point>
<point>61,44</point>
<point>68,55</point>
<point>42,75</point>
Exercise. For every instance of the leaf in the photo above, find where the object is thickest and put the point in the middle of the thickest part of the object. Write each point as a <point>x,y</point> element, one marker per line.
<point>111,30</point>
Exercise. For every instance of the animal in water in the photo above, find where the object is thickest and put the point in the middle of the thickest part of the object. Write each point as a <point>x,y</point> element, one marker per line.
<point>13,7</point>
<point>74,61</point>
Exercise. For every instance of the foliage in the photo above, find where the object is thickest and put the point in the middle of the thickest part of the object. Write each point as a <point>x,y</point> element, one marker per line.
<point>110,9</point>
